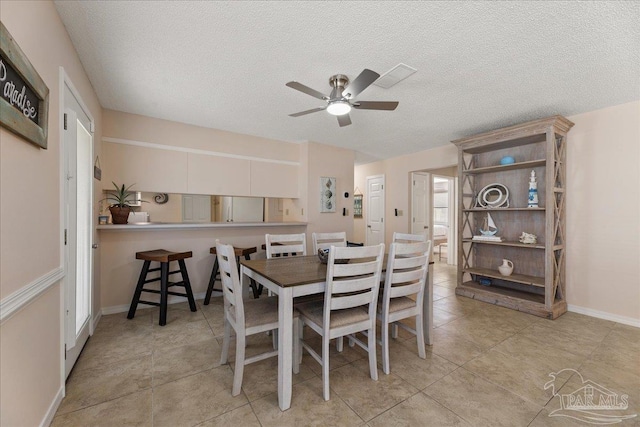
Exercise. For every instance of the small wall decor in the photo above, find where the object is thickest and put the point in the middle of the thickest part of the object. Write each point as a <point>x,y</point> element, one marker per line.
<point>493,196</point>
<point>24,97</point>
<point>97,172</point>
<point>357,203</point>
<point>327,194</point>
<point>162,198</point>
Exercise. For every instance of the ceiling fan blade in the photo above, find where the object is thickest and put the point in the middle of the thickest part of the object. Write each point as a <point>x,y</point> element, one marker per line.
<point>302,113</point>
<point>344,120</point>
<point>306,89</point>
<point>375,105</point>
<point>361,82</point>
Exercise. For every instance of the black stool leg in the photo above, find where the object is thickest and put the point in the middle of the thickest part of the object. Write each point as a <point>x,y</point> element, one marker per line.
<point>257,291</point>
<point>138,291</point>
<point>164,286</point>
<point>212,281</point>
<point>187,285</point>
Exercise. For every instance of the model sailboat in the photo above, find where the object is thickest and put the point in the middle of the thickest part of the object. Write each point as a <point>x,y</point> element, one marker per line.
<point>488,231</point>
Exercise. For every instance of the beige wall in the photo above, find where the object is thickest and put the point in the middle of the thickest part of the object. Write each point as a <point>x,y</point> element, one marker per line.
<point>603,211</point>
<point>603,208</point>
<point>31,353</point>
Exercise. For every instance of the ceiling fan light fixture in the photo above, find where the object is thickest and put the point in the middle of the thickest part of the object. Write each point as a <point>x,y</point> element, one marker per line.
<point>338,108</point>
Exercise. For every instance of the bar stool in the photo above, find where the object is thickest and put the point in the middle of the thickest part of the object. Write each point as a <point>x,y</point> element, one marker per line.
<point>164,257</point>
<point>215,273</point>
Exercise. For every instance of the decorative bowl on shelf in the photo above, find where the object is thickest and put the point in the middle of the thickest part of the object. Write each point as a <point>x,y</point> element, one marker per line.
<point>507,160</point>
<point>484,281</point>
<point>323,254</point>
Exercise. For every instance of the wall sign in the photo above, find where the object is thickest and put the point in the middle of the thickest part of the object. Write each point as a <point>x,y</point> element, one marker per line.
<point>327,194</point>
<point>24,97</point>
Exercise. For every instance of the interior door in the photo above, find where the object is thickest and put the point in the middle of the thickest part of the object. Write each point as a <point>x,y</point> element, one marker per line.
<point>375,210</point>
<point>421,204</point>
<point>78,193</point>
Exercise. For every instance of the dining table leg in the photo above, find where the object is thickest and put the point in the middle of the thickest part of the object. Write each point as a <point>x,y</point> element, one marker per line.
<point>285,346</point>
<point>427,307</point>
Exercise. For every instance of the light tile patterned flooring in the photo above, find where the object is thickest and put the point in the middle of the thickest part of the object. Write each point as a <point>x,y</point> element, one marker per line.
<point>487,367</point>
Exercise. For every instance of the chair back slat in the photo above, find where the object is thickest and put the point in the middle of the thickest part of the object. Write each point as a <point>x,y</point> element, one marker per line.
<point>326,240</point>
<point>350,301</point>
<point>279,244</point>
<point>407,238</point>
<point>406,276</point>
<point>405,290</point>
<point>357,284</point>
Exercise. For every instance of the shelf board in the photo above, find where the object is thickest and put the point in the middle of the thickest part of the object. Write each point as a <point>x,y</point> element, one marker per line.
<point>504,209</point>
<point>504,168</point>
<point>505,243</point>
<point>518,278</point>
<point>506,292</point>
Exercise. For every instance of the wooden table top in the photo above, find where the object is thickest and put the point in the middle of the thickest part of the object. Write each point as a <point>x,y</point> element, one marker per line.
<point>289,271</point>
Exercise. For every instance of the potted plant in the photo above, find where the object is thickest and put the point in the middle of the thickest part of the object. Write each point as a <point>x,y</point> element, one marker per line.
<point>122,197</point>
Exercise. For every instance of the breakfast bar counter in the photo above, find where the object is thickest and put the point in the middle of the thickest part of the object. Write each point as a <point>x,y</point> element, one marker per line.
<point>119,270</point>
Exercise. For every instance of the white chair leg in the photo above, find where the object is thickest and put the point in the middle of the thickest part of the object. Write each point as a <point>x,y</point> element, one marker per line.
<point>352,343</point>
<point>340,344</point>
<point>325,367</point>
<point>373,368</point>
<point>239,367</point>
<point>420,336</point>
<point>300,339</point>
<point>226,338</point>
<point>394,331</point>
<point>385,348</point>
<point>274,339</point>
<point>296,347</point>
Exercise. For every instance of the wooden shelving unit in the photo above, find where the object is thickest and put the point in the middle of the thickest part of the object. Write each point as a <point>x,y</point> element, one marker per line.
<point>537,285</point>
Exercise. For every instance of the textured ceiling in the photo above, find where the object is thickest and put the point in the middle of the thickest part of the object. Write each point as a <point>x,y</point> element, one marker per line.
<point>481,65</point>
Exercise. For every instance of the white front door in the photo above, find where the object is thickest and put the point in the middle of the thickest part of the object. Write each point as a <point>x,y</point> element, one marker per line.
<point>374,210</point>
<point>421,204</point>
<point>78,194</point>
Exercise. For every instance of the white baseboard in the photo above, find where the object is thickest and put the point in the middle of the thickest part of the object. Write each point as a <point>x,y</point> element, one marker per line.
<point>604,315</point>
<point>51,412</point>
<point>172,300</point>
<point>96,319</point>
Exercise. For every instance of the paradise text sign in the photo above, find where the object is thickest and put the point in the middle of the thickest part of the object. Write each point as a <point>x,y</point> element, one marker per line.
<point>24,98</point>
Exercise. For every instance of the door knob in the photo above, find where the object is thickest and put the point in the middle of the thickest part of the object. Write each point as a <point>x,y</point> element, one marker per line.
<point>369,226</point>
<point>94,246</point>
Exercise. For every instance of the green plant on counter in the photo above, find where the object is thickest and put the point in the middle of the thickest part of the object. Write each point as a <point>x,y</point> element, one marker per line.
<point>122,196</point>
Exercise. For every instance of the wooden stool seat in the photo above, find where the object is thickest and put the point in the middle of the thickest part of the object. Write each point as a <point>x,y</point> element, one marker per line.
<point>215,273</point>
<point>245,252</point>
<point>164,257</point>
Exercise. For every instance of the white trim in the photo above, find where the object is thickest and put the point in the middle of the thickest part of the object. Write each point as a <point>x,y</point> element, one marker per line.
<point>27,294</point>
<point>96,319</point>
<point>55,404</point>
<point>194,151</point>
<point>114,309</point>
<point>604,315</point>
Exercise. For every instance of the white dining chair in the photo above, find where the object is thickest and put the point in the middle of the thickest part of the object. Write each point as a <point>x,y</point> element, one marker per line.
<point>326,240</point>
<point>285,244</point>
<point>403,293</point>
<point>244,317</point>
<point>349,305</point>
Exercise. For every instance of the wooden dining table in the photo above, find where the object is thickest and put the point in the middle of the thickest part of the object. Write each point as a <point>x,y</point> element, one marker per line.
<point>295,276</point>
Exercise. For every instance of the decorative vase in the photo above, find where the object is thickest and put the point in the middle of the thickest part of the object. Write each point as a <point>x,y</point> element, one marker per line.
<point>506,268</point>
<point>120,214</point>
<point>507,160</point>
<point>533,191</point>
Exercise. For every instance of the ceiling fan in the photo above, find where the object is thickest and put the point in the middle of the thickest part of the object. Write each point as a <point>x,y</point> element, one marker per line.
<point>340,101</point>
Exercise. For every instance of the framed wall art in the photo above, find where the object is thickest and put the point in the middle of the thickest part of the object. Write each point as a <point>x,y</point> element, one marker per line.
<point>327,194</point>
<point>24,97</point>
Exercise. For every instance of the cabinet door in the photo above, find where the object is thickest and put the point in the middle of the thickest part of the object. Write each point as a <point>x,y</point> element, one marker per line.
<point>218,175</point>
<point>274,180</point>
<point>196,208</point>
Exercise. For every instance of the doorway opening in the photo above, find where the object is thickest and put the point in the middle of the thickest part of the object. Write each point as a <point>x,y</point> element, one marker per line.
<point>434,210</point>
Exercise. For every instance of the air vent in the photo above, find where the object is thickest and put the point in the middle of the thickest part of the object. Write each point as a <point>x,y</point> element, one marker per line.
<point>394,75</point>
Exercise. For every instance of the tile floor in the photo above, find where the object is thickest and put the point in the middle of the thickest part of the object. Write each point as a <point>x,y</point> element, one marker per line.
<point>487,367</point>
